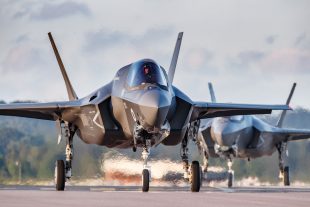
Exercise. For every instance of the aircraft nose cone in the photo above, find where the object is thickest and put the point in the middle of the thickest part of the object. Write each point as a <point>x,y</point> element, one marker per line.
<point>228,133</point>
<point>221,131</point>
<point>155,98</point>
<point>154,107</point>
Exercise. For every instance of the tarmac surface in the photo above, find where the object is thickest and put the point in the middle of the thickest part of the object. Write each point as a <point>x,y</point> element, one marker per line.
<point>131,196</point>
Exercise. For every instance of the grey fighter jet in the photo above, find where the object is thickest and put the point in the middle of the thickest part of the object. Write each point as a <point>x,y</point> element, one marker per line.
<point>247,137</point>
<point>139,108</point>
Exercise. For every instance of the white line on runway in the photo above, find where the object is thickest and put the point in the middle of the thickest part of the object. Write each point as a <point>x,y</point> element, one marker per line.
<point>46,189</point>
<point>226,190</point>
<point>8,188</point>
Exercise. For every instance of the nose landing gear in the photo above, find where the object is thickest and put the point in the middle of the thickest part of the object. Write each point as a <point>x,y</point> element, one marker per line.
<point>145,180</point>
<point>146,172</point>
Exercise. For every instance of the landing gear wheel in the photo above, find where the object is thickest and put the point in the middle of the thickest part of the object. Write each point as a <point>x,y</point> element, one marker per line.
<point>230,179</point>
<point>145,180</point>
<point>60,175</point>
<point>286,176</point>
<point>201,176</point>
<point>195,176</point>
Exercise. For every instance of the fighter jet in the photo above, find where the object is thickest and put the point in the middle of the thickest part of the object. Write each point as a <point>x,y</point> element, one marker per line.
<point>247,137</point>
<point>139,108</point>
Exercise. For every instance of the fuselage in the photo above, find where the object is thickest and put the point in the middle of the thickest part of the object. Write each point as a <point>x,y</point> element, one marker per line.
<point>142,104</point>
<point>239,136</point>
<point>141,99</point>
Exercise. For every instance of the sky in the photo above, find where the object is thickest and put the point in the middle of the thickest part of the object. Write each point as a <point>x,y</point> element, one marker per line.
<point>251,50</point>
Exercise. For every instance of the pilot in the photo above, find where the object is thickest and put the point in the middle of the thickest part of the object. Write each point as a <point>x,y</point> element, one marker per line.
<point>148,74</point>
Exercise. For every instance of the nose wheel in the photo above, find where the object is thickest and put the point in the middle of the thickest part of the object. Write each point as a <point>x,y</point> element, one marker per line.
<point>146,172</point>
<point>230,179</point>
<point>145,180</point>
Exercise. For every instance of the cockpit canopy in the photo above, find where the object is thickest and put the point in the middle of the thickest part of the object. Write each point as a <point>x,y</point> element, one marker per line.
<point>146,71</point>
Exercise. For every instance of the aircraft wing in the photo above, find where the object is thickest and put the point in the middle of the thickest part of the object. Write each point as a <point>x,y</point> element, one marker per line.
<point>290,134</point>
<point>46,111</point>
<point>203,110</point>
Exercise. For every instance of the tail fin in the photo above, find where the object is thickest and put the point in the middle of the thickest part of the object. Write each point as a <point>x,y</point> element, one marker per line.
<point>212,94</point>
<point>175,56</point>
<point>283,113</point>
<point>71,93</point>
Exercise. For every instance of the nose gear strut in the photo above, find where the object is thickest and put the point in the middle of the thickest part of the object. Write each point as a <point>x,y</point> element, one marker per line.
<point>146,172</point>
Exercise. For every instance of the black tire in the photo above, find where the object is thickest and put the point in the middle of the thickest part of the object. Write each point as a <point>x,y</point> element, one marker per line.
<point>286,176</point>
<point>196,176</point>
<point>230,179</point>
<point>145,180</point>
<point>60,175</point>
<point>201,176</point>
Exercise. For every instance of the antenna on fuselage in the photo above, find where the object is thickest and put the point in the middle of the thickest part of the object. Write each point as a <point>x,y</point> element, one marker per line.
<point>212,94</point>
<point>283,113</point>
<point>71,93</point>
<point>175,56</point>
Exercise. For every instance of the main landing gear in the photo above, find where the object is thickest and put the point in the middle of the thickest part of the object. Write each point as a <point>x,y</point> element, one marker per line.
<point>63,170</point>
<point>193,172</point>
<point>283,163</point>
<point>60,175</point>
<point>195,176</point>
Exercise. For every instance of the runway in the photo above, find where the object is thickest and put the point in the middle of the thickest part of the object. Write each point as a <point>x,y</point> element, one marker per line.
<point>131,196</point>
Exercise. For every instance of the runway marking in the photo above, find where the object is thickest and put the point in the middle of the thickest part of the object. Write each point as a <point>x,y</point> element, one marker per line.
<point>131,191</point>
<point>8,188</point>
<point>102,189</point>
<point>47,189</point>
<point>226,190</point>
<point>160,190</point>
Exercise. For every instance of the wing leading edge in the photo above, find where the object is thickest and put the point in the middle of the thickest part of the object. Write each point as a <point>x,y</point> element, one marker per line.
<point>285,135</point>
<point>47,111</point>
<point>203,110</point>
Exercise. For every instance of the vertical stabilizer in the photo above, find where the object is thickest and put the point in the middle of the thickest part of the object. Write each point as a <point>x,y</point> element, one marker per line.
<point>71,93</point>
<point>212,94</point>
<point>283,113</point>
<point>175,56</point>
